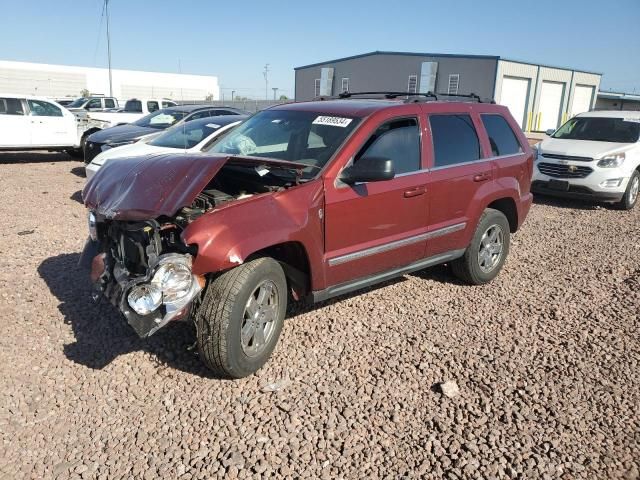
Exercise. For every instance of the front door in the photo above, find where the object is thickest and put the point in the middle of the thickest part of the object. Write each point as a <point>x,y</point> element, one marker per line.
<point>377,226</point>
<point>14,124</point>
<point>50,126</point>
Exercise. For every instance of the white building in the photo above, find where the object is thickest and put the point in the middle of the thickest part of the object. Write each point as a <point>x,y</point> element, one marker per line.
<point>59,81</point>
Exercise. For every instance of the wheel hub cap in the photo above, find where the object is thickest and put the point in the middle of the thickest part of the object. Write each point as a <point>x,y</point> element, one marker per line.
<point>491,246</point>
<point>635,187</point>
<point>260,314</point>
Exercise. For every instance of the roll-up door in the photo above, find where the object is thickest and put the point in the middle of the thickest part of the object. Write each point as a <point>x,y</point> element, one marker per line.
<point>514,95</point>
<point>551,95</point>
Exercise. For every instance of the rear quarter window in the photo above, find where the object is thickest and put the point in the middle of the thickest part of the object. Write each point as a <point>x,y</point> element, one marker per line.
<point>455,139</point>
<point>501,137</point>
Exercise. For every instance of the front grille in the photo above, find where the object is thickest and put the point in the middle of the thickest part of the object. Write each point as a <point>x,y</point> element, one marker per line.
<point>567,157</point>
<point>564,171</point>
<point>91,151</point>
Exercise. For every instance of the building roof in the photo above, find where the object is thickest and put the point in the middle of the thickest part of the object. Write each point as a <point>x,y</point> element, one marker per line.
<point>440,55</point>
<point>634,97</point>
<point>631,114</point>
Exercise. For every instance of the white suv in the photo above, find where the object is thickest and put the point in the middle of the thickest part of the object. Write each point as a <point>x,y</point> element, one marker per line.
<point>594,156</point>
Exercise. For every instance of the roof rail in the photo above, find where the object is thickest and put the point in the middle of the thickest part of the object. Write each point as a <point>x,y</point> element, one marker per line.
<point>411,96</point>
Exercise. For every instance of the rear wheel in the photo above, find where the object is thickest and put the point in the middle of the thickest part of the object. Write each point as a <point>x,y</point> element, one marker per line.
<point>241,316</point>
<point>631,194</point>
<point>485,256</point>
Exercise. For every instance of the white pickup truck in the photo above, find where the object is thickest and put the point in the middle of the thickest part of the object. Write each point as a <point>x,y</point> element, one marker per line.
<point>36,123</point>
<point>133,110</point>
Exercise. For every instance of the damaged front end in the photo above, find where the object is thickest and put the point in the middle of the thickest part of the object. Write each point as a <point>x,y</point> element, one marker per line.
<point>144,269</point>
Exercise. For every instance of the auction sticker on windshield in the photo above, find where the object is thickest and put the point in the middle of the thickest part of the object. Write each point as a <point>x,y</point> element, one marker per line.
<point>333,121</point>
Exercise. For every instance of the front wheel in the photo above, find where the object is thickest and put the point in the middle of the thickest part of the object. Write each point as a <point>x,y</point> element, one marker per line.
<point>485,256</point>
<point>240,318</point>
<point>631,194</point>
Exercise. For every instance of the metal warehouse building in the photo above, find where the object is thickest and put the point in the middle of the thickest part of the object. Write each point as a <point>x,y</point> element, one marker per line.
<point>66,81</point>
<point>540,97</point>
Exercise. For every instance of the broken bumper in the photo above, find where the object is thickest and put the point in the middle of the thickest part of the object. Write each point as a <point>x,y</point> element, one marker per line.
<point>151,301</point>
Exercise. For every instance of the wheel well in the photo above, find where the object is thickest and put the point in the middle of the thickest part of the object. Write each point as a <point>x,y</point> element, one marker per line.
<point>508,207</point>
<point>90,131</point>
<point>294,260</point>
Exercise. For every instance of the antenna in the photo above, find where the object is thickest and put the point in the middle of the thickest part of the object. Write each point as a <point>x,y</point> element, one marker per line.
<point>106,8</point>
<point>266,81</point>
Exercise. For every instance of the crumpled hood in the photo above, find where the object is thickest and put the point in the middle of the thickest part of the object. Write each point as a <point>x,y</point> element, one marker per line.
<point>120,133</point>
<point>581,148</point>
<point>147,187</point>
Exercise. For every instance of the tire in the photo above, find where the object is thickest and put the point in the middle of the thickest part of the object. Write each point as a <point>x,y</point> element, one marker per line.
<point>475,269</point>
<point>631,194</point>
<point>75,153</point>
<point>222,317</point>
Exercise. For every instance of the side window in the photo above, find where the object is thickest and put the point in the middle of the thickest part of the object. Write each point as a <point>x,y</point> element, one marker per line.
<point>398,140</point>
<point>43,109</point>
<point>454,139</point>
<point>166,105</point>
<point>94,103</point>
<point>109,103</point>
<point>502,139</point>
<point>200,114</point>
<point>152,106</point>
<point>11,106</point>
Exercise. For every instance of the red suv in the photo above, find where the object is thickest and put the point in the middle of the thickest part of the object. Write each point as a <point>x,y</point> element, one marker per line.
<point>308,200</point>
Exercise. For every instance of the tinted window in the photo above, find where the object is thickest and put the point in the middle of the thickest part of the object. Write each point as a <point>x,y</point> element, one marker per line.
<point>600,129</point>
<point>95,103</point>
<point>160,119</point>
<point>201,114</point>
<point>454,139</point>
<point>502,139</point>
<point>133,106</point>
<point>11,106</point>
<point>224,112</point>
<point>109,103</point>
<point>399,141</point>
<point>43,109</point>
<point>153,106</point>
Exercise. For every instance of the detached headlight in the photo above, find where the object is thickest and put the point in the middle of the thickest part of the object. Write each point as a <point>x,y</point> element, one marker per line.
<point>174,280</point>
<point>93,228</point>
<point>145,298</point>
<point>612,161</point>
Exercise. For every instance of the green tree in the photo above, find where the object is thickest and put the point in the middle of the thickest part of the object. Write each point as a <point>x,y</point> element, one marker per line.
<point>85,93</point>
<point>284,97</point>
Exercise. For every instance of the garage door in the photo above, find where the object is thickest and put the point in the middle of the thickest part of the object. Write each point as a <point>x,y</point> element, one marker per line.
<point>551,95</point>
<point>515,94</point>
<point>582,98</point>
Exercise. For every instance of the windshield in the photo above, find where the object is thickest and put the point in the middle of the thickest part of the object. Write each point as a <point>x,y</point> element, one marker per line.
<point>161,119</point>
<point>77,103</point>
<point>303,137</point>
<point>186,135</point>
<point>600,129</point>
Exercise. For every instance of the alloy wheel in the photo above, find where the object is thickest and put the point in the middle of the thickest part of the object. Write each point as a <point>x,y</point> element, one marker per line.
<point>260,313</point>
<point>491,247</point>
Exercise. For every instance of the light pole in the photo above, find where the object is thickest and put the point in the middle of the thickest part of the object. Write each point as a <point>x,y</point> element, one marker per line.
<point>275,92</point>
<point>233,93</point>
<point>266,81</point>
<point>106,8</point>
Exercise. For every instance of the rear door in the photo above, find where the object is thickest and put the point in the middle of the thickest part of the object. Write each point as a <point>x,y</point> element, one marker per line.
<point>376,226</point>
<point>50,126</point>
<point>15,126</point>
<point>458,169</point>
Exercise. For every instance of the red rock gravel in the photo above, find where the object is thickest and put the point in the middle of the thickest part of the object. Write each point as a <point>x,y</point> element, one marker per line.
<point>546,360</point>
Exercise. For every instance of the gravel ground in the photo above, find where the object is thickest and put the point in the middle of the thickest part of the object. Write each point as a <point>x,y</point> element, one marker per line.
<point>546,361</point>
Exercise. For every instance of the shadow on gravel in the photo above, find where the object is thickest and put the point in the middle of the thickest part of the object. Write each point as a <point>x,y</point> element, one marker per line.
<point>77,196</point>
<point>78,172</point>
<point>33,157</point>
<point>101,333</point>
<point>569,203</point>
<point>439,273</point>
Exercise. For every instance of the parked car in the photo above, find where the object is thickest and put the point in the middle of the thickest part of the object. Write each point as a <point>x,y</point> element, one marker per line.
<point>193,136</point>
<point>63,101</point>
<point>312,199</point>
<point>133,110</point>
<point>92,104</point>
<point>29,122</point>
<point>101,140</point>
<point>593,156</point>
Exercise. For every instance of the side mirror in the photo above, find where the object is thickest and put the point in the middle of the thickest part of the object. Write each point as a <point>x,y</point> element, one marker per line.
<point>368,169</point>
<point>550,132</point>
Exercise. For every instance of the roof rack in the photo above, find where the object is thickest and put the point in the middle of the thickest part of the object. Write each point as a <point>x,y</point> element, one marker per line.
<point>411,97</point>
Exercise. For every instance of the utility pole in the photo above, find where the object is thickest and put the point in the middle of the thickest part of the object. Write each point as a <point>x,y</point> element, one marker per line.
<point>106,8</point>
<point>233,93</point>
<point>266,81</point>
<point>275,92</point>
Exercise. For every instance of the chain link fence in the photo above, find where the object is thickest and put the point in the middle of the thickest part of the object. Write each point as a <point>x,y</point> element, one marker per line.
<point>247,105</point>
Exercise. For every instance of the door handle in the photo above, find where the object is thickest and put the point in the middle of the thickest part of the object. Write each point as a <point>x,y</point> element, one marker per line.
<point>481,177</point>
<point>414,192</point>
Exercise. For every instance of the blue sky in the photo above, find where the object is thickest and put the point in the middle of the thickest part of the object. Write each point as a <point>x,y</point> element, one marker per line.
<point>234,40</point>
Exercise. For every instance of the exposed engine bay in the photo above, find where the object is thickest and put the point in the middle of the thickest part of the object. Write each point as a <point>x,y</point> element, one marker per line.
<point>145,269</point>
